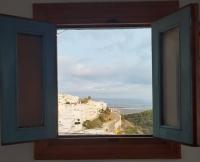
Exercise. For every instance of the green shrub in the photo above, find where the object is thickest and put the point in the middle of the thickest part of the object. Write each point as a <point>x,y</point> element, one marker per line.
<point>104,116</point>
<point>85,100</point>
<point>106,111</point>
<point>142,120</point>
<point>91,124</point>
<point>131,130</point>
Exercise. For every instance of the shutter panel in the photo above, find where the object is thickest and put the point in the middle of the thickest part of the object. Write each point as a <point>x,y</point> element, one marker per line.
<point>28,80</point>
<point>175,76</point>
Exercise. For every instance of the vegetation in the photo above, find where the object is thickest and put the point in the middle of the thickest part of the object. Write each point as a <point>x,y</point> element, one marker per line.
<point>142,122</point>
<point>132,130</point>
<point>104,116</point>
<point>85,100</point>
<point>91,124</point>
<point>136,123</point>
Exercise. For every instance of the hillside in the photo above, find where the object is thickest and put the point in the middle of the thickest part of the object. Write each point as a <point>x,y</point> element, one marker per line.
<point>142,121</point>
<point>87,116</point>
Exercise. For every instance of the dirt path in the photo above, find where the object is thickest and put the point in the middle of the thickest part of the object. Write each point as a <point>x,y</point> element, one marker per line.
<point>112,125</point>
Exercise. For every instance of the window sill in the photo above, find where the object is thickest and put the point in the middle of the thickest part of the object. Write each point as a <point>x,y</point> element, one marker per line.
<point>106,148</point>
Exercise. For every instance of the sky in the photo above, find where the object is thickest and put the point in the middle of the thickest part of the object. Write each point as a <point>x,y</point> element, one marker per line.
<point>105,63</point>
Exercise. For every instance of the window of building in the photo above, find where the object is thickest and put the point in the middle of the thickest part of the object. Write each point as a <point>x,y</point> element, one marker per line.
<point>30,84</point>
<point>109,19</point>
<point>104,85</point>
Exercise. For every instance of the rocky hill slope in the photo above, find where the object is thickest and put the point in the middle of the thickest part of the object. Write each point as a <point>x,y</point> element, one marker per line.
<point>76,114</point>
<point>84,116</point>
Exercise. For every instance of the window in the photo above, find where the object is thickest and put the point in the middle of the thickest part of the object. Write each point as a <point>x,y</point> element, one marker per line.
<point>104,85</point>
<point>32,75</point>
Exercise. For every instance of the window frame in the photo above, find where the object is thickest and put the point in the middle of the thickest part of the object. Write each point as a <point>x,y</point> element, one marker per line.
<point>105,15</point>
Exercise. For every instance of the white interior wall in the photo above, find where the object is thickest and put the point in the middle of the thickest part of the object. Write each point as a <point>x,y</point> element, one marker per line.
<point>24,152</point>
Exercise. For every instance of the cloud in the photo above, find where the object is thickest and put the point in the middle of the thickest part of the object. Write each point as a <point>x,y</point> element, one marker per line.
<point>105,65</point>
<point>114,82</point>
<point>110,90</point>
<point>122,73</point>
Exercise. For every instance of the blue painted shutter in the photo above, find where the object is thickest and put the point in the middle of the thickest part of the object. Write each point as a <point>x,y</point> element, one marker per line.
<point>182,98</point>
<point>28,80</point>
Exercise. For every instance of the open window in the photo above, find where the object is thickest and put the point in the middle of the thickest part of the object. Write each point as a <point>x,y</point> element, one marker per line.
<point>29,78</point>
<point>102,87</point>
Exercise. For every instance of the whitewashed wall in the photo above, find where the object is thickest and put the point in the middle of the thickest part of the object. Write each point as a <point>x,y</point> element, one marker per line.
<point>24,152</point>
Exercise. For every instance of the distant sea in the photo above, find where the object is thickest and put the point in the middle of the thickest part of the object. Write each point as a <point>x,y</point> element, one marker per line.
<point>126,106</point>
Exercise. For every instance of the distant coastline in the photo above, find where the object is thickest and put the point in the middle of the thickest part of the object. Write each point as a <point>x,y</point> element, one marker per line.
<point>126,106</point>
<point>126,111</point>
<point>124,102</point>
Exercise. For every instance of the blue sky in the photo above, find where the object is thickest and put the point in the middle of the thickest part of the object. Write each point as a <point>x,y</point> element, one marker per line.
<point>105,63</point>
